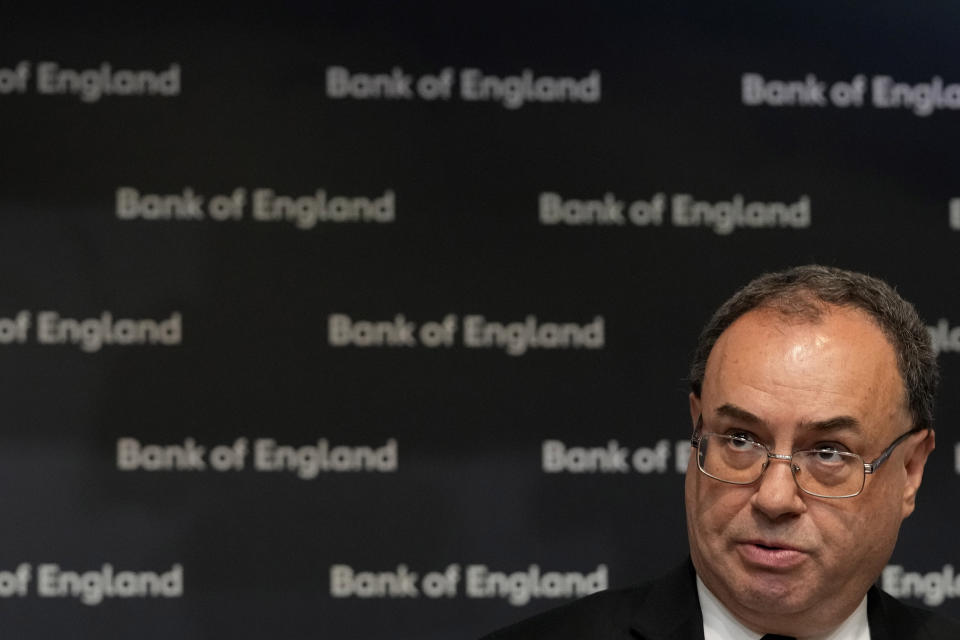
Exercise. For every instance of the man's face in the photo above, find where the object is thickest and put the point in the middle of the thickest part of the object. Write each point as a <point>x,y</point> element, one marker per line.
<point>781,560</point>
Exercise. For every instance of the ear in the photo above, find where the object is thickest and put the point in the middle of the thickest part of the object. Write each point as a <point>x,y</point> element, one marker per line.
<point>913,462</point>
<point>695,409</point>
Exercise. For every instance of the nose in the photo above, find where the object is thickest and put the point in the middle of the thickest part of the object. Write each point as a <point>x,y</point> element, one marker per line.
<point>777,494</point>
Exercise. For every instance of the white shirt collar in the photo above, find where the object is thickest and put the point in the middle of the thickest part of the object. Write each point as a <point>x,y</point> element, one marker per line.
<point>719,623</point>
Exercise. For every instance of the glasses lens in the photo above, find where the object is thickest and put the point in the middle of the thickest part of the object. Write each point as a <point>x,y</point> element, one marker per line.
<point>832,474</point>
<point>731,458</point>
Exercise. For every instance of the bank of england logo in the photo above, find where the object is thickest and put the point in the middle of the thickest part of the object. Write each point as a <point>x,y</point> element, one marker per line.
<point>933,588</point>
<point>89,85</point>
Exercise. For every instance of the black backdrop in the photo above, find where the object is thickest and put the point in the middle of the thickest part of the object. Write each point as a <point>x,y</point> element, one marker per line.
<point>426,433</point>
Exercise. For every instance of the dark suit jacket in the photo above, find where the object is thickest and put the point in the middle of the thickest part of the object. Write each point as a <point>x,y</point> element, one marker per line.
<point>669,609</point>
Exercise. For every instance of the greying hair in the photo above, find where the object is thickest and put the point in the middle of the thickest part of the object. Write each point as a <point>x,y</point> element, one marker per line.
<point>805,292</point>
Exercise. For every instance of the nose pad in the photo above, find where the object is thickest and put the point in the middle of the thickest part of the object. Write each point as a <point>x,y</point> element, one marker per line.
<point>794,470</point>
<point>779,491</point>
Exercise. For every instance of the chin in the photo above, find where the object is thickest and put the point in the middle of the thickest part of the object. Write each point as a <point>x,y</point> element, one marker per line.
<point>775,596</point>
<point>763,591</point>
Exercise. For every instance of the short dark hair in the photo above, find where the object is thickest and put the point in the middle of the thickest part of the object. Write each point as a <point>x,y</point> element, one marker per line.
<point>805,292</point>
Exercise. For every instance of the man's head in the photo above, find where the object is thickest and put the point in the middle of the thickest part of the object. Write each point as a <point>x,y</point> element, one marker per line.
<point>806,292</point>
<point>810,358</point>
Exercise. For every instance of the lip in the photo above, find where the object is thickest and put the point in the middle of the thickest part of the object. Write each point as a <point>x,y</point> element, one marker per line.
<point>770,554</point>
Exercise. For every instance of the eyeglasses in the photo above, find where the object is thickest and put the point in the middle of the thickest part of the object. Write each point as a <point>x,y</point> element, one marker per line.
<point>825,472</point>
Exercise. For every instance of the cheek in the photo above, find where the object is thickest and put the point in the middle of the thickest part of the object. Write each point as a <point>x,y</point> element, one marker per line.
<point>871,530</point>
<point>839,529</point>
<point>712,506</point>
<point>852,536</point>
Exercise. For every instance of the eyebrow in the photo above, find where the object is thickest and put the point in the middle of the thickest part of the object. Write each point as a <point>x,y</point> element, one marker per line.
<point>733,411</point>
<point>830,424</point>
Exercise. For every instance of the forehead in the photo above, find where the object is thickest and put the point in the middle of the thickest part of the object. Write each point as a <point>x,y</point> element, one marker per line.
<point>792,369</point>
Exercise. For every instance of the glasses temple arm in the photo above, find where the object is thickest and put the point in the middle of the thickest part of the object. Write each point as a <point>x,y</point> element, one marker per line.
<point>871,467</point>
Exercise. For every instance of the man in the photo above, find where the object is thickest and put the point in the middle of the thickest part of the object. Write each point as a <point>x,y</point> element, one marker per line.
<point>811,405</point>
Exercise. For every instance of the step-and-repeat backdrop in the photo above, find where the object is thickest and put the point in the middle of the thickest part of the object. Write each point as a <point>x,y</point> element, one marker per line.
<point>370,320</point>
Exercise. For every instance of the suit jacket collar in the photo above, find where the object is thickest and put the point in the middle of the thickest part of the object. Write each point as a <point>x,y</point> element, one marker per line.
<point>671,611</point>
<point>886,616</point>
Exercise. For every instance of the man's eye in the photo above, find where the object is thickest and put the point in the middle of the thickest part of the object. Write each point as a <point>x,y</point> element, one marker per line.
<point>741,440</point>
<point>829,452</point>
